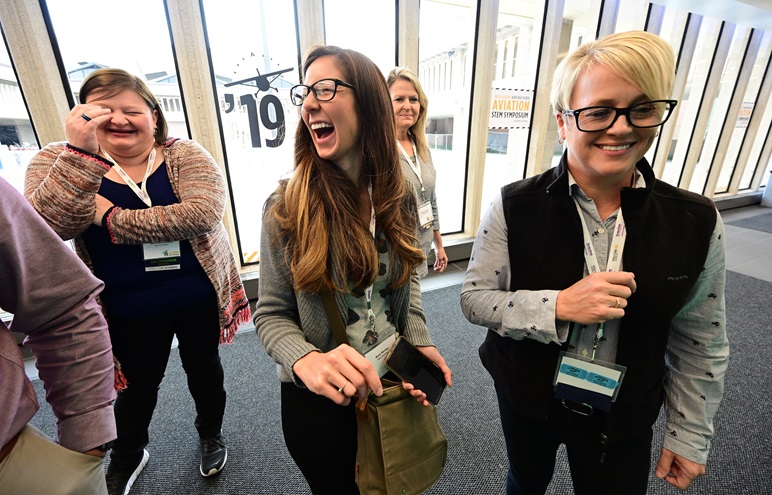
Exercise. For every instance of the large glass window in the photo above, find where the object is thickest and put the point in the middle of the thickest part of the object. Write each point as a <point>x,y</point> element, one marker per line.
<point>632,15</point>
<point>741,124</point>
<point>765,133</point>
<point>447,40</point>
<point>718,112</point>
<point>761,136</point>
<point>17,139</point>
<point>580,19</point>
<point>367,27</point>
<point>517,42</point>
<point>254,57</point>
<point>132,36</point>
<point>672,30</point>
<point>690,102</point>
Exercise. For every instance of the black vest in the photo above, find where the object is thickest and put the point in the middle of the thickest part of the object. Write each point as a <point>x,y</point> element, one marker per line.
<point>668,236</point>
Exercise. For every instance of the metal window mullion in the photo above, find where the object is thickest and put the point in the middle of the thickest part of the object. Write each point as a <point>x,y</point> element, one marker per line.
<point>684,62</point>
<point>752,133</point>
<point>609,15</point>
<point>733,111</point>
<point>543,128</point>
<point>709,94</point>
<point>477,137</point>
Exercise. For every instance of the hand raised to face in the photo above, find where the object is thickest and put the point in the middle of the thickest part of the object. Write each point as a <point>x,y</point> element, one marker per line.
<point>81,125</point>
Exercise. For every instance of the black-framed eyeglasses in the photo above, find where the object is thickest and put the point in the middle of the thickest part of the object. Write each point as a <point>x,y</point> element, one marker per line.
<point>324,90</point>
<point>643,115</point>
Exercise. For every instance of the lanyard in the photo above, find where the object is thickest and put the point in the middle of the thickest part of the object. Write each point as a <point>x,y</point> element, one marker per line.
<point>415,166</point>
<point>142,193</point>
<point>613,263</point>
<point>369,290</point>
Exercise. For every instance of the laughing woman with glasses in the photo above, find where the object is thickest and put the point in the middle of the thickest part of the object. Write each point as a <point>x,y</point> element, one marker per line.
<point>603,288</point>
<point>343,225</point>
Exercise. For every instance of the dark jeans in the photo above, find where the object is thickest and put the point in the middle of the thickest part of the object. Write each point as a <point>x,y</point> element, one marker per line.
<point>321,437</point>
<point>532,445</point>
<point>142,345</point>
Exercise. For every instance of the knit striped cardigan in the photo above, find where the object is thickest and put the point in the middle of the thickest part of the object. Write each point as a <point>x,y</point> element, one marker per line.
<point>61,183</point>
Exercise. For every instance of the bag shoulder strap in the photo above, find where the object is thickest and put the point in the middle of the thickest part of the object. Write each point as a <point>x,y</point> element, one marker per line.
<point>333,317</point>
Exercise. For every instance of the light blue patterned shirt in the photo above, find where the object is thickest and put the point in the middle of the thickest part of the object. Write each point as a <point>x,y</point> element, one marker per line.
<point>697,349</point>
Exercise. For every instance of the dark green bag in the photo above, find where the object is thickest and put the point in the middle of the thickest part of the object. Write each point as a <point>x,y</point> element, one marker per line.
<point>402,448</point>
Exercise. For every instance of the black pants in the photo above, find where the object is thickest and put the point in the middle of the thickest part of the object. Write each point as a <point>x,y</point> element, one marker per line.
<point>142,345</point>
<point>321,437</point>
<point>532,445</point>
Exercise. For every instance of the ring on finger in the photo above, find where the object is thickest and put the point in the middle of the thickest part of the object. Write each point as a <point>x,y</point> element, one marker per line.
<point>340,390</point>
<point>617,302</point>
<point>85,117</point>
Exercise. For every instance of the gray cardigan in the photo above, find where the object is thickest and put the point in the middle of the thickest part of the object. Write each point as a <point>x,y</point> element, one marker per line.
<point>291,323</point>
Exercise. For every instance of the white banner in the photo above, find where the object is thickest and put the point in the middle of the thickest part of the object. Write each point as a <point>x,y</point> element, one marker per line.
<point>510,108</point>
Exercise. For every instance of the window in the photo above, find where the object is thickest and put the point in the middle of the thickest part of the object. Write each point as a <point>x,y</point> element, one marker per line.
<point>690,102</point>
<point>632,15</point>
<point>741,124</point>
<point>367,27</point>
<point>766,121</point>
<point>580,20</point>
<point>18,143</point>
<point>672,30</point>
<point>513,62</point>
<point>446,36</point>
<point>254,57</point>
<point>718,112</point>
<point>511,96</point>
<point>148,55</point>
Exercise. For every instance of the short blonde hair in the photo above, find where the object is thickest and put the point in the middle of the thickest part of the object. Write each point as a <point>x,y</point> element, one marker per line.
<point>418,130</point>
<point>644,59</point>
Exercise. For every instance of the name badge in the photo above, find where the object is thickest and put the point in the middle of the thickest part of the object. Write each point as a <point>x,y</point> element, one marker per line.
<point>596,383</point>
<point>425,216</point>
<point>377,355</point>
<point>161,256</point>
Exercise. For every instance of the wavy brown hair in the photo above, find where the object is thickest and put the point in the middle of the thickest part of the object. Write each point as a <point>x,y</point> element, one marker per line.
<point>328,247</point>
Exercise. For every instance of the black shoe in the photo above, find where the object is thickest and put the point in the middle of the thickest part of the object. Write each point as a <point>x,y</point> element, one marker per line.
<point>214,454</point>
<point>119,481</point>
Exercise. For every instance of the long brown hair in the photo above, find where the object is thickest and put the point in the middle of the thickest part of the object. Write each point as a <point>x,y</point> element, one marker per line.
<point>327,245</point>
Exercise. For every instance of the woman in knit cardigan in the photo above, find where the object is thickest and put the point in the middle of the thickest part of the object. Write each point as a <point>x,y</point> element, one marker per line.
<point>145,212</point>
<point>345,224</point>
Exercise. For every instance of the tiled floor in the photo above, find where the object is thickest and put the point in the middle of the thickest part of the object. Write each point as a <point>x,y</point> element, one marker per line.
<point>748,251</point>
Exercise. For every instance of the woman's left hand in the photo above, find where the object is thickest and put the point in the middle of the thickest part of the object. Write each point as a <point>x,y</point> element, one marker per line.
<point>441,261</point>
<point>102,205</point>
<point>432,353</point>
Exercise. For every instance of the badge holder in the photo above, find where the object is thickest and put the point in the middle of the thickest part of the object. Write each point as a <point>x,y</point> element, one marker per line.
<point>581,380</point>
<point>161,256</point>
<point>425,215</point>
<point>377,355</point>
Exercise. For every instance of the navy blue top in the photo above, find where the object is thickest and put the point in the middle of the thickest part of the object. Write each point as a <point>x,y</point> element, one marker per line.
<point>129,289</point>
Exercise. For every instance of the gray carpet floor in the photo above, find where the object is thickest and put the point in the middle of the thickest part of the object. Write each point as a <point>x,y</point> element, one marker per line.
<point>740,461</point>
<point>759,222</point>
